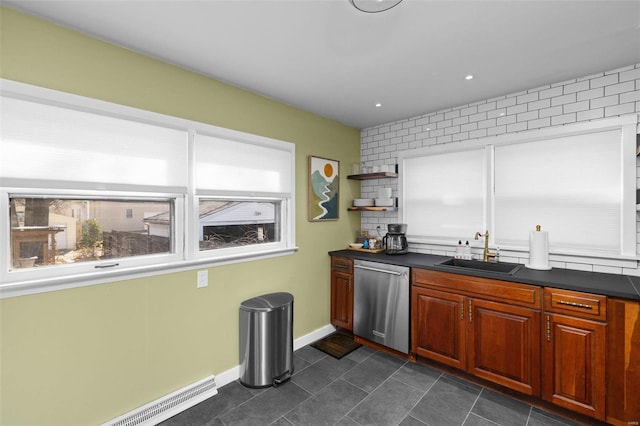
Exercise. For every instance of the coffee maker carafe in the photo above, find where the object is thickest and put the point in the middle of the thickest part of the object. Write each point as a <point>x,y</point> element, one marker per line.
<point>395,240</point>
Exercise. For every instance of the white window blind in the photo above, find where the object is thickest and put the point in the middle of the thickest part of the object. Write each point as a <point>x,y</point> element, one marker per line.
<point>242,167</point>
<point>45,142</point>
<point>570,185</point>
<point>443,195</point>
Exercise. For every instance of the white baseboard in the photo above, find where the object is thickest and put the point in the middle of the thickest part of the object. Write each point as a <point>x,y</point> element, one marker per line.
<point>176,402</point>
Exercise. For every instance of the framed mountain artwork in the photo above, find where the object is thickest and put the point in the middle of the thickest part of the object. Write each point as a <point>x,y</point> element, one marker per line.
<point>324,189</point>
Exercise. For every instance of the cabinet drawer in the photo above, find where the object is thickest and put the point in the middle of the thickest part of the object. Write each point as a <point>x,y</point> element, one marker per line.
<point>342,264</point>
<point>576,304</point>
<point>525,295</point>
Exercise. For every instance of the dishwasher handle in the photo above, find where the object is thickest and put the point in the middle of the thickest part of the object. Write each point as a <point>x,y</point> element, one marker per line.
<point>384,271</point>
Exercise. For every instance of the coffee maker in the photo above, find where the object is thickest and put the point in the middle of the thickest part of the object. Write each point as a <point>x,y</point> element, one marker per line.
<point>395,240</point>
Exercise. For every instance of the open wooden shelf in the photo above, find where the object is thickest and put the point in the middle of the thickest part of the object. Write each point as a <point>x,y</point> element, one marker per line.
<point>378,175</point>
<point>373,209</point>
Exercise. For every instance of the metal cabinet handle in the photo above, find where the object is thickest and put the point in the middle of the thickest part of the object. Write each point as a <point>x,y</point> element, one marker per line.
<point>470,311</point>
<point>548,328</point>
<point>462,310</point>
<point>574,304</point>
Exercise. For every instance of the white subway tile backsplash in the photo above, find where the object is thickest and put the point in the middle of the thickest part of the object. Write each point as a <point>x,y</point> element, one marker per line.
<point>480,133</point>
<point>564,99</point>
<point>576,87</point>
<point>581,99</point>
<point>469,127</point>
<point>575,107</point>
<point>543,103</point>
<point>604,81</point>
<point>614,89</point>
<point>507,119</point>
<point>548,112</point>
<point>563,119</point>
<point>486,107</point>
<point>486,123</point>
<point>517,127</point>
<point>604,102</point>
<point>591,94</point>
<point>444,123</point>
<point>536,124</point>
<point>526,116</point>
<point>460,120</point>
<point>621,109</point>
<point>506,102</point>
<point>452,114</point>
<point>591,114</point>
<point>468,111</point>
<point>551,93</point>
<point>630,97</point>
<point>632,74</point>
<point>526,98</point>
<point>516,109</point>
<point>496,113</point>
<point>498,130</point>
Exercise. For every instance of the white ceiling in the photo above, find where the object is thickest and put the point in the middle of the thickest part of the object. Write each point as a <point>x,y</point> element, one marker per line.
<point>326,57</point>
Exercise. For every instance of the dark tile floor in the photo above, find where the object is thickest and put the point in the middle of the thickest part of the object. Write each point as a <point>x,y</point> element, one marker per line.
<point>367,387</point>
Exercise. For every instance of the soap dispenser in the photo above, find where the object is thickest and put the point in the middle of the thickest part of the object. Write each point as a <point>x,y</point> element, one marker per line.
<point>459,250</point>
<point>467,251</point>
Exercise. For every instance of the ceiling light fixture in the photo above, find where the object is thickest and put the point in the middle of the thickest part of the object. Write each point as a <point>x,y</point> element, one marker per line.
<point>374,6</point>
<point>469,77</point>
<point>378,105</point>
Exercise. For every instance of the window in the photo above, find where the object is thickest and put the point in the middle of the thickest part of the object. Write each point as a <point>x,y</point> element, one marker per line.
<point>90,190</point>
<point>577,181</point>
<point>224,224</point>
<point>47,232</point>
<point>244,193</point>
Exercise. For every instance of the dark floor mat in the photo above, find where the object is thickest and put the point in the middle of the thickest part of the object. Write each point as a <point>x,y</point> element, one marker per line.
<point>337,344</point>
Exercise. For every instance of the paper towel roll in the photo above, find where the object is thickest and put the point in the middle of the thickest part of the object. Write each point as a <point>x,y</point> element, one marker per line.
<point>538,250</point>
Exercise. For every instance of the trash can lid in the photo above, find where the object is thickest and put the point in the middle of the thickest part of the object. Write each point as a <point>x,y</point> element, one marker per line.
<point>267,302</point>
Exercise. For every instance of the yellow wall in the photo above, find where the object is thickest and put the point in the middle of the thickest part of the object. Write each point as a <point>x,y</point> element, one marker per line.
<point>87,355</point>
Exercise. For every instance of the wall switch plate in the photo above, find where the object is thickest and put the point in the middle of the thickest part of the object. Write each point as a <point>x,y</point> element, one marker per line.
<point>203,278</point>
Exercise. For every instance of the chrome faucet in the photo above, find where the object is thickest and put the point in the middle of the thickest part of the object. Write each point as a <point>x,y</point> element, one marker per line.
<point>486,255</point>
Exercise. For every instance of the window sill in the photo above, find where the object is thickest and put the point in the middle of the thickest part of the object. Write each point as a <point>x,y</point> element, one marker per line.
<point>23,288</point>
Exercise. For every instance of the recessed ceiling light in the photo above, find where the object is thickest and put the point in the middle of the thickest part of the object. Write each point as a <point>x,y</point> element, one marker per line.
<point>378,105</point>
<point>469,77</point>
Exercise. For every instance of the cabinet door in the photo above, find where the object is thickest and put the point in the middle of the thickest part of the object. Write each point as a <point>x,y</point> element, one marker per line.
<point>504,345</point>
<point>342,300</point>
<point>438,329</point>
<point>574,364</point>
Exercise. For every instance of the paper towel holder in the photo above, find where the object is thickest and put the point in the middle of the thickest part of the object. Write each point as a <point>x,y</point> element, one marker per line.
<point>540,260</point>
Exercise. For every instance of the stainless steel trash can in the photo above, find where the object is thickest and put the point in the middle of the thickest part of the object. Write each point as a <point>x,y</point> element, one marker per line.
<point>266,340</point>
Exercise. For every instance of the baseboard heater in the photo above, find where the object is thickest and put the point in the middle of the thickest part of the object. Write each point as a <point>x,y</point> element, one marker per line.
<point>169,405</point>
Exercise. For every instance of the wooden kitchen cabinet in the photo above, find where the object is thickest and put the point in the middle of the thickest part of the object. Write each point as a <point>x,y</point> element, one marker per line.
<point>504,345</point>
<point>575,351</point>
<point>438,326</point>
<point>623,362</point>
<point>486,327</point>
<point>342,292</point>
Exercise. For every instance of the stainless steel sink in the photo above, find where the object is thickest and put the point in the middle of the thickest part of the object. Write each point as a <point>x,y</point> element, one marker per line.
<point>501,268</point>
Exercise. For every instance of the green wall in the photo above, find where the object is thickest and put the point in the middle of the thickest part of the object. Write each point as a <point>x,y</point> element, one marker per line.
<point>87,355</point>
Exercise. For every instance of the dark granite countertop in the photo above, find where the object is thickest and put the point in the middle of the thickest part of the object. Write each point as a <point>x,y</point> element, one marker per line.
<point>624,286</point>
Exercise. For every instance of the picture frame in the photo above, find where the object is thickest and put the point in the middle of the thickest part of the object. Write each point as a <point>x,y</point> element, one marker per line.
<point>324,189</point>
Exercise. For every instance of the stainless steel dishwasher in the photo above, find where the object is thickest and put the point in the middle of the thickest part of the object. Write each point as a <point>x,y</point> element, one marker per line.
<point>381,304</point>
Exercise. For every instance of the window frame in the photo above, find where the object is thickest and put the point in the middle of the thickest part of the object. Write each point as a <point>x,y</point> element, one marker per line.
<point>185,254</point>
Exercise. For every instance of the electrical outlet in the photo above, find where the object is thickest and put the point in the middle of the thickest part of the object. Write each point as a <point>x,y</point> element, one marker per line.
<point>203,278</point>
